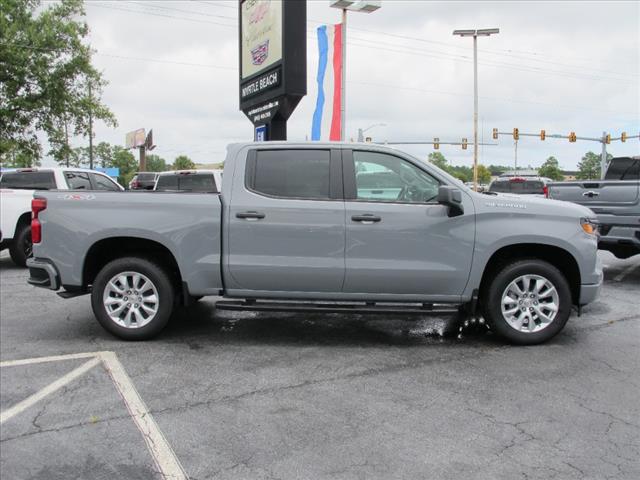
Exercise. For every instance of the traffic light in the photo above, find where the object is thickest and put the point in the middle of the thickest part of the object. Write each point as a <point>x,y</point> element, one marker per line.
<point>436,143</point>
<point>623,137</point>
<point>516,135</point>
<point>607,138</point>
<point>464,143</point>
<point>495,133</point>
<point>572,137</point>
<point>543,134</point>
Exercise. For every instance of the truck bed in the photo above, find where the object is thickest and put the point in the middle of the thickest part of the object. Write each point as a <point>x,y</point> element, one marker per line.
<point>187,224</point>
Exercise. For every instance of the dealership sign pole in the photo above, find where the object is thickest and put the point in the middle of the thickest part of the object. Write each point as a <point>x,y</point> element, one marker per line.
<point>273,63</point>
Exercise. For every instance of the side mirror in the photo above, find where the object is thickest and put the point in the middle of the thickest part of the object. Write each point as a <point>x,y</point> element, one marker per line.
<point>452,198</point>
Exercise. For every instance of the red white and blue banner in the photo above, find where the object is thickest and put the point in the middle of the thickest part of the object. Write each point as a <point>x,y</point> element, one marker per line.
<point>326,117</point>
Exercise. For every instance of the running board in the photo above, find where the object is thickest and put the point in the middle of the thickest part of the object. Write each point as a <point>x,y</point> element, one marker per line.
<point>368,308</point>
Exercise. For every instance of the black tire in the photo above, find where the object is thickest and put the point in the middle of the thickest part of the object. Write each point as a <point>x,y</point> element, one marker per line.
<point>21,248</point>
<point>159,278</point>
<point>491,300</point>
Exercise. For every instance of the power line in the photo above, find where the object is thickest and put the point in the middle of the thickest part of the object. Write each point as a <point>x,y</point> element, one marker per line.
<point>161,15</point>
<point>191,12</point>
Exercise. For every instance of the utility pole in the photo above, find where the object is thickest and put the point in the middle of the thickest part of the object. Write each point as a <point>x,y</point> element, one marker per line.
<point>90,129</point>
<point>475,34</point>
<point>516,155</point>
<point>603,157</point>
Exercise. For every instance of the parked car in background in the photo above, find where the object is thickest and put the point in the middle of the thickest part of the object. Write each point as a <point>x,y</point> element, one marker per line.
<point>207,181</point>
<point>16,191</point>
<point>143,181</point>
<point>299,222</point>
<point>616,202</point>
<point>520,185</point>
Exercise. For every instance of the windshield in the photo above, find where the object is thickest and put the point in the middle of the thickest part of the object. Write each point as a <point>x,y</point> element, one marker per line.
<point>187,183</point>
<point>526,187</point>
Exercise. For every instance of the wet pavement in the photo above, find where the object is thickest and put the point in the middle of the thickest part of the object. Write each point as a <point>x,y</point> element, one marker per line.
<point>280,396</point>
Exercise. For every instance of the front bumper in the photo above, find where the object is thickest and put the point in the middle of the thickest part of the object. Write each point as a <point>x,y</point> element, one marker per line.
<point>43,274</point>
<point>590,291</point>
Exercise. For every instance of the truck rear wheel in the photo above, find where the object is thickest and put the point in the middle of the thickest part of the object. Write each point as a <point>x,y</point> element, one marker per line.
<point>527,302</point>
<point>21,248</point>
<point>132,298</point>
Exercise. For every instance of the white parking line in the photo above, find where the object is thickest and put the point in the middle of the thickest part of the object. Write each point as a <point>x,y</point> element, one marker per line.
<point>163,455</point>
<point>48,390</point>
<point>625,272</point>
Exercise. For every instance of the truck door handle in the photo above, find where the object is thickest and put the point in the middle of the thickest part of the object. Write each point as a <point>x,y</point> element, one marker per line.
<point>366,218</point>
<point>250,215</point>
<point>590,194</point>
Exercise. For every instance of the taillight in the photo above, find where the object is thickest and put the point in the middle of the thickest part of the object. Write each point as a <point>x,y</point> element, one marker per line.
<point>37,205</point>
<point>545,189</point>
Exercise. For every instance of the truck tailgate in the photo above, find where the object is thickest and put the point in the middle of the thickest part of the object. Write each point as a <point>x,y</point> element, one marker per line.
<point>602,196</point>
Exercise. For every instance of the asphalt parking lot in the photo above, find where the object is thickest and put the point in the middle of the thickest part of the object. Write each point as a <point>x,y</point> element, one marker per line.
<point>263,396</point>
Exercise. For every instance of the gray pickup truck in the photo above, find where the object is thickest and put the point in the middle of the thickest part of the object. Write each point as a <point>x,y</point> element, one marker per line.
<point>616,202</point>
<point>349,227</point>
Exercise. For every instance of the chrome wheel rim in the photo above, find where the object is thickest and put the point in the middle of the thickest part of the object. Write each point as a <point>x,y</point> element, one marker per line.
<point>131,300</point>
<point>530,303</point>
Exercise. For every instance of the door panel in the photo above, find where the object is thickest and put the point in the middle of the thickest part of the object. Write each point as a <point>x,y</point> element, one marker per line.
<point>415,247</point>
<point>287,244</point>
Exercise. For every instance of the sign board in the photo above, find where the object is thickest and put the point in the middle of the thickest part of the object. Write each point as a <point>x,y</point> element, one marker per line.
<point>261,40</point>
<point>273,61</point>
<point>148,143</point>
<point>260,134</point>
<point>135,139</point>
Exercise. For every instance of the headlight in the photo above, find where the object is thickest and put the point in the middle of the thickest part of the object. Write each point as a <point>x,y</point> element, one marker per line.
<point>589,225</point>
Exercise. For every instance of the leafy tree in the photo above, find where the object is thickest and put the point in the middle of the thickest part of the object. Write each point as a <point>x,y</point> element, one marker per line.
<point>439,160</point>
<point>589,167</point>
<point>126,162</point>
<point>18,158</point>
<point>47,81</point>
<point>155,163</point>
<point>484,174</point>
<point>551,169</point>
<point>183,162</point>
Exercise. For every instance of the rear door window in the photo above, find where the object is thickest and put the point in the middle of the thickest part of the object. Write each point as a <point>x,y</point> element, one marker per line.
<point>303,174</point>
<point>77,180</point>
<point>28,180</point>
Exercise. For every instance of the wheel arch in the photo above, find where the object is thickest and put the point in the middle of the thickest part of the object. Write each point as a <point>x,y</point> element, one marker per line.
<point>108,249</point>
<point>556,256</point>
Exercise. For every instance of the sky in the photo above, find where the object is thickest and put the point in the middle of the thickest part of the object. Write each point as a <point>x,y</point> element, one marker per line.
<point>172,66</point>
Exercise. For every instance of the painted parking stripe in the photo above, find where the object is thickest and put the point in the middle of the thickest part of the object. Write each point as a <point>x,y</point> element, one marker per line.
<point>163,455</point>
<point>48,390</point>
<point>625,272</point>
<point>54,358</point>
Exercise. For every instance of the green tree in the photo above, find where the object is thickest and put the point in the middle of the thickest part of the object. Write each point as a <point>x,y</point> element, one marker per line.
<point>103,154</point>
<point>46,77</point>
<point>126,162</point>
<point>498,169</point>
<point>484,174</point>
<point>155,163</point>
<point>183,162</point>
<point>551,169</point>
<point>439,160</point>
<point>589,167</point>
<point>19,158</point>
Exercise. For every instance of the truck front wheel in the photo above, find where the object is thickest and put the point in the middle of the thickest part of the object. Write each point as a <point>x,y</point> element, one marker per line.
<point>132,298</point>
<point>527,302</point>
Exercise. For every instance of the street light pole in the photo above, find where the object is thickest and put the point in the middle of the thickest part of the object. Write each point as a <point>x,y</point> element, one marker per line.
<point>364,6</point>
<point>475,113</point>
<point>475,34</point>
<point>343,77</point>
